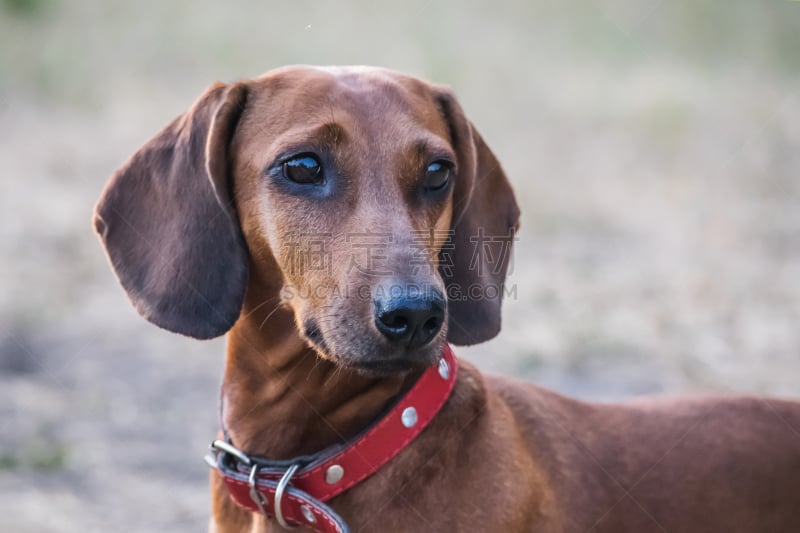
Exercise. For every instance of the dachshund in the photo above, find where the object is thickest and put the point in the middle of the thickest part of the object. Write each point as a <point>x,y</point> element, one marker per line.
<point>346,225</point>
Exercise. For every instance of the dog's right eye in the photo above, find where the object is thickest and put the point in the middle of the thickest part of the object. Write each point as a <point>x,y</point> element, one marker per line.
<point>304,168</point>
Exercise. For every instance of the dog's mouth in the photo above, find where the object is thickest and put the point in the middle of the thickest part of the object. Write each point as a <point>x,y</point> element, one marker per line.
<point>313,333</point>
<point>370,358</point>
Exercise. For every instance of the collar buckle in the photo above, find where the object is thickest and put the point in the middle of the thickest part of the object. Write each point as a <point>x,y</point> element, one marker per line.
<point>220,446</point>
<point>258,498</point>
<point>226,447</point>
<point>279,490</point>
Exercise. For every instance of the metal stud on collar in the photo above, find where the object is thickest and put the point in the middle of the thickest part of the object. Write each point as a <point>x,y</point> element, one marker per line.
<point>308,514</point>
<point>279,490</point>
<point>444,369</point>
<point>334,474</point>
<point>409,417</point>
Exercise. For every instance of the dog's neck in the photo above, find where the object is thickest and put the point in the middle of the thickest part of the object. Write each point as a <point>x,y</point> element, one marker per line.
<point>280,399</point>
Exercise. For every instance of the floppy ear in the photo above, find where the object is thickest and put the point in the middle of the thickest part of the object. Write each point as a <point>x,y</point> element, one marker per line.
<point>167,222</point>
<point>474,261</point>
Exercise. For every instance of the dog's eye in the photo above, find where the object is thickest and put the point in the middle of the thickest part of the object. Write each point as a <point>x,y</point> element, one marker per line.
<point>437,176</point>
<point>304,168</point>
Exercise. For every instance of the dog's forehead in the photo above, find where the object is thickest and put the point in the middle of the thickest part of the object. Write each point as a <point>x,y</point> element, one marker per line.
<point>353,79</point>
<point>368,93</point>
<point>361,80</point>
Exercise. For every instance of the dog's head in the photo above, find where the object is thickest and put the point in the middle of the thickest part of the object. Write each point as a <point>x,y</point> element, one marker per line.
<point>360,198</point>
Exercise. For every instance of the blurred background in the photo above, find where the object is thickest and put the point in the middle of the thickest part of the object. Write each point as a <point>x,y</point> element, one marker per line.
<point>655,151</point>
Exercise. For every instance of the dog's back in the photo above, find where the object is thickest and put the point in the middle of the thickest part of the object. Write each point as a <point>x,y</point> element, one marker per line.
<point>699,464</point>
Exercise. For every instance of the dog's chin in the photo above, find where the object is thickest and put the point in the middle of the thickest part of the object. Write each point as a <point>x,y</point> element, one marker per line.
<point>382,368</point>
<point>380,363</point>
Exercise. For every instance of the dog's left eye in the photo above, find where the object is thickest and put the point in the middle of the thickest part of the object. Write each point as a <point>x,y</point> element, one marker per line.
<point>304,168</point>
<point>437,175</point>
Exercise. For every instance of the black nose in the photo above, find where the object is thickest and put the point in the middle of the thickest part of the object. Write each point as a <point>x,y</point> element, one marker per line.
<point>409,316</point>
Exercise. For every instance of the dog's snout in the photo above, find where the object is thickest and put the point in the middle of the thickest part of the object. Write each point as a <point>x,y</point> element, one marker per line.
<point>408,316</point>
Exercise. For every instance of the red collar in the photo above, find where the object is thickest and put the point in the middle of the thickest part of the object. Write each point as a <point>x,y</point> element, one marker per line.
<point>293,491</point>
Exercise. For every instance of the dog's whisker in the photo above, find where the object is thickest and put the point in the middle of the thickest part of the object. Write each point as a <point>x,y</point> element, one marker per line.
<point>259,306</point>
<point>277,308</point>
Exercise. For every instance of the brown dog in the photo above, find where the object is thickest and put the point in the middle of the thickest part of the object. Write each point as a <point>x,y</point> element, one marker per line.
<point>320,216</point>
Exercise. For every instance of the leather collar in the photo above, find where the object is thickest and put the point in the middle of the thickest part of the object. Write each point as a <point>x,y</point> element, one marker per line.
<point>294,491</point>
